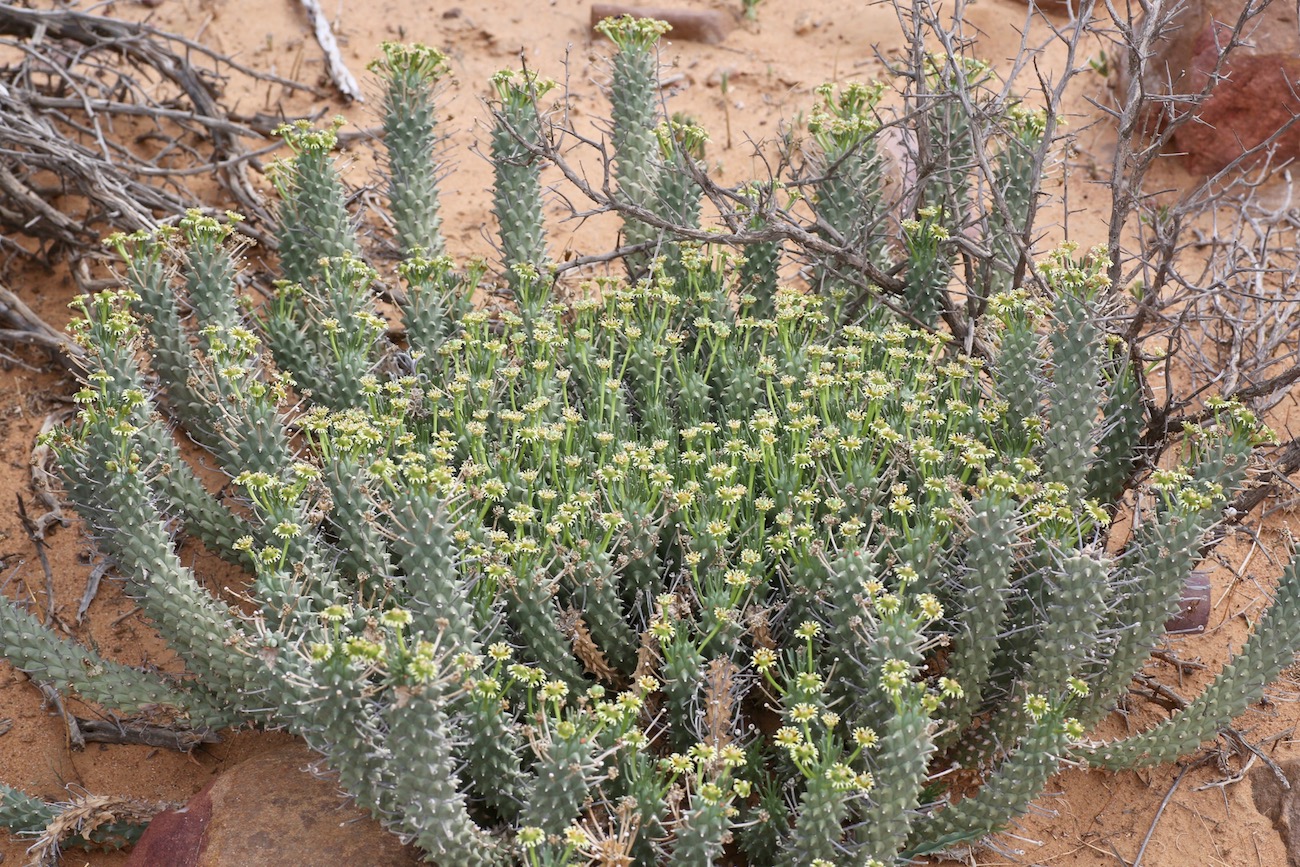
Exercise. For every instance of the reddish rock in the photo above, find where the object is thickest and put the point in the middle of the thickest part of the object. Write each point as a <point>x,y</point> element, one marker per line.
<point>267,812</point>
<point>1256,95</point>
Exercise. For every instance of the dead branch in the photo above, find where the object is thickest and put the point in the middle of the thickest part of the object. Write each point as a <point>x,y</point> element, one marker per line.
<point>1211,318</point>
<point>1159,693</point>
<point>92,587</point>
<point>1133,159</point>
<point>43,480</point>
<point>55,701</point>
<point>37,536</point>
<point>55,144</point>
<point>102,125</point>
<point>142,733</point>
<point>338,70</point>
<point>23,325</point>
<point>1160,811</point>
<point>782,226</point>
<point>1283,465</point>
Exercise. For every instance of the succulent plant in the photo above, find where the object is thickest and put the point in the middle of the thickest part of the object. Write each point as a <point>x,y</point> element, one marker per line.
<point>656,570</point>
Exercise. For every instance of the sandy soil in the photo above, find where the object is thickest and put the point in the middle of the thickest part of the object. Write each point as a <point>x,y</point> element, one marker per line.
<point>770,67</point>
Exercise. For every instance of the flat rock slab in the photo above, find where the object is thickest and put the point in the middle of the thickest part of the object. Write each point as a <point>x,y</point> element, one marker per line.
<point>1279,804</point>
<point>267,812</point>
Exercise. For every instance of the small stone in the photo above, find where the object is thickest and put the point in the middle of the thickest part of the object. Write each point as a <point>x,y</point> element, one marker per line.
<point>269,811</point>
<point>721,74</point>
<point>805,24</point>
<point>453,12</point>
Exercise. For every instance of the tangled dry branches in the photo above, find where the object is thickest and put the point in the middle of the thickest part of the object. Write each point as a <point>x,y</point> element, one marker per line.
<point>105,123</point>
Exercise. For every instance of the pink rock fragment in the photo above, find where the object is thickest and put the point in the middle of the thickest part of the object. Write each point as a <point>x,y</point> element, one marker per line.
<point>1257,93</point>
<point>269,811</point>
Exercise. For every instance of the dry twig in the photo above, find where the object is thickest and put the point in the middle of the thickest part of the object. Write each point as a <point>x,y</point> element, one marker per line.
<point>55,701</point>
<point>1160,811</point>
<point>92,587</point>
<point>37,536</point>
<point>137,732</point>
<point>43,479</point>
<point>338,70</point>
<point>24,326</point>
<point>117,72</point>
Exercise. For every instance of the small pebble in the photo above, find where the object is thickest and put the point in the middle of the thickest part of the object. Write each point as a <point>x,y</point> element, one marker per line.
<point>804,24</point>
<point>716,76</point>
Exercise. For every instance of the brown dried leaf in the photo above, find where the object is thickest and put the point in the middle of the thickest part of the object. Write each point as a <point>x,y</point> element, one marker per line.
<point>585,647</point>
<point>83,816</point>
<point>719,701</point>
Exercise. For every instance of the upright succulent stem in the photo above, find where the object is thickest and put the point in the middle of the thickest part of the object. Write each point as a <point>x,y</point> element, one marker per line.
<point>411,73</point>
<point>517,187</point>
<point>635,99</point>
